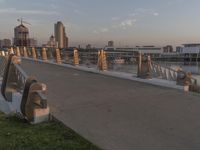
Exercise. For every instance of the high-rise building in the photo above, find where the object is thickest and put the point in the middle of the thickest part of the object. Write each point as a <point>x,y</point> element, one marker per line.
<point>21,36</point>
<point>60,35</point>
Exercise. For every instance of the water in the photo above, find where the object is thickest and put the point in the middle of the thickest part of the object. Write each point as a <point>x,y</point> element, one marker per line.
<point>194,68</point>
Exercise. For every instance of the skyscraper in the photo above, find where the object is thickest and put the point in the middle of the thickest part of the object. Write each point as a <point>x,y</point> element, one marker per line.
<point>21,36</point>
<point>60,35</point>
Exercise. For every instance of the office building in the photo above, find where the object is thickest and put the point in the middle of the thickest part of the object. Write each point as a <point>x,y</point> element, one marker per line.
<point>60,35</point>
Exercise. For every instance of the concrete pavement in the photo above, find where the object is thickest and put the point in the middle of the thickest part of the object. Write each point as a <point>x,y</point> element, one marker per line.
<point>118,114</point>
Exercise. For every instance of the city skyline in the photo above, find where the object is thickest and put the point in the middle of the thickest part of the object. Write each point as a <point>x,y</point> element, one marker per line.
<point>127,22</point>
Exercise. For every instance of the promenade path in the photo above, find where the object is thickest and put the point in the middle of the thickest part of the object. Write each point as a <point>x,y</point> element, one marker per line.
<point>118,114</point>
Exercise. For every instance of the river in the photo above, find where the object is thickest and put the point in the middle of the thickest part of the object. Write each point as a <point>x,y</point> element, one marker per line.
<point>193,67</point>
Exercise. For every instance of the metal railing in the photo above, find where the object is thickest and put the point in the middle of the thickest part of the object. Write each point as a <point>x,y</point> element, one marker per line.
<point>15,80</point>
<point>127,62</point>
<point>167,73</point>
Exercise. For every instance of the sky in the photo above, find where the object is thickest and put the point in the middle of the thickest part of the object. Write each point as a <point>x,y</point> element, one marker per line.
<point>126,22</point>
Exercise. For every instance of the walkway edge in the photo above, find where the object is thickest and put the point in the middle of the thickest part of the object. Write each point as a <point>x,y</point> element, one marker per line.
<point>121,75</point>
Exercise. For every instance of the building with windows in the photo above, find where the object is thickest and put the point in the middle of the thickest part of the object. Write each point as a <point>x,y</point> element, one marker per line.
<point>168,49</point>
<point>21,36</point>
<point>61,39</point>
<point>5,43</point>
<point>51,43</point>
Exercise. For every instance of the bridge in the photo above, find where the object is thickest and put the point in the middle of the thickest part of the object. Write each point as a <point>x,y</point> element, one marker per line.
<point>119,111</point>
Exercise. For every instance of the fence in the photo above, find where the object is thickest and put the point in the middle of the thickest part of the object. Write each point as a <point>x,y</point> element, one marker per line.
<point>26,90</point>
<point>129,62</point>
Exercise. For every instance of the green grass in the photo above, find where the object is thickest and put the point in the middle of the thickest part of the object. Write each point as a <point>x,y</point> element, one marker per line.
<point>17,134</point>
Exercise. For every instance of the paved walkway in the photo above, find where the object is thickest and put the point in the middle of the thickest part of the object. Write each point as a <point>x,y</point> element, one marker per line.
<point>118,114</point>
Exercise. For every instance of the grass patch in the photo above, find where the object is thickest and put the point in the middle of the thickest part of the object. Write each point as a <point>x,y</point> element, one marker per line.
<point>17,134</point>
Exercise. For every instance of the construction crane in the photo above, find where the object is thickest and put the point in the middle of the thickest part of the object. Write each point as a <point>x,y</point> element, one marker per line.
<point>22,21</point>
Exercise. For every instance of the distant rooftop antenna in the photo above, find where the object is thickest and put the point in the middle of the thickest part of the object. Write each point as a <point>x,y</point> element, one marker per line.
<point>22,21</point>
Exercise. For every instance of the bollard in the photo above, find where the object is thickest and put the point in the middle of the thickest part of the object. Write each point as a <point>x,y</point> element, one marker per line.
<point>44,54</point>
<point>102,62</point>
<point>10,51</point>
<point>33,52</point>
<point>18,52</point>
<point>144,64</point>
<point>58,57</point>
<point>99,59</point>
<point>76,58</point>
<point>34,102</point>
<point>184,79</point>
<point>3,53</point>
<point>25,52</point>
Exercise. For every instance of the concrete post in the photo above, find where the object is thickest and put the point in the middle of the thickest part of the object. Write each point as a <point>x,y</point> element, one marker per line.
<point>76,58</point>
<point>99,59</point>
<point>34,103</point>
<point>44,54</point>
<point>18,52</point>
<point>144,64</point>
<point>33,52</point>
<point>3,53</point>
<point>58,57</point>
<point>10,51</point>
<point>104,61</point>
<point>25,52</point>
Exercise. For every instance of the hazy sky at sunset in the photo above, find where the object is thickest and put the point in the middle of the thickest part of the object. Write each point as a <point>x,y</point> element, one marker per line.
<point>127,22</point>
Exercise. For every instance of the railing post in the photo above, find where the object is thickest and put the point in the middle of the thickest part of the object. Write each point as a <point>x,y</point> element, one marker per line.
<point>10,51</point>
<point>44,54</point>
<point>76,58</point>
<point>144,64</point>
<point>9,82</point>
<point>3,53</point>
<point>58,57</point>
<point>25,52</point>
<point>33,52</point>
<point>184,79</point>
<point>34,103</point>
<point>102,62</point>
<point>18,52</point>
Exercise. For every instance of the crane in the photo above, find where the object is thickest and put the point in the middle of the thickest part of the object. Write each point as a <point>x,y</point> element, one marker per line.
<point>22,21</point>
